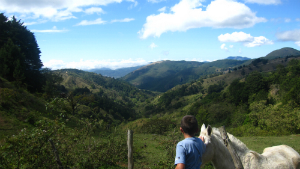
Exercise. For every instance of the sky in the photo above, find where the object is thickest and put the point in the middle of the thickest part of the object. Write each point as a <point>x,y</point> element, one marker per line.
<point>91,34</point>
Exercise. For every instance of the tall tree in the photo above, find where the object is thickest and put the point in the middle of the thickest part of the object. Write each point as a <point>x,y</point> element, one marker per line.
<point>24,39</point>
<point>12,64</point>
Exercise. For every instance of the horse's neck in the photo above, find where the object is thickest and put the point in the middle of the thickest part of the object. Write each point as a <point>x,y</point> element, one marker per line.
<point>222,157</point>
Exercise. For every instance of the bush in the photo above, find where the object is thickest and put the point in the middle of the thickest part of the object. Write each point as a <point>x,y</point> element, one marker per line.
<point>76,148</point>
<point>157,126</point>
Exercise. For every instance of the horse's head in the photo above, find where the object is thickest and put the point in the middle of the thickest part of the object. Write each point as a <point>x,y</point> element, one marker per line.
<point>209,151</point>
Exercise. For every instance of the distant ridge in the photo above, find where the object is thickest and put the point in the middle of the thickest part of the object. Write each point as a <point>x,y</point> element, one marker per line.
<point>115,73</point>
<point>237,58</point>
<point>283,52</point>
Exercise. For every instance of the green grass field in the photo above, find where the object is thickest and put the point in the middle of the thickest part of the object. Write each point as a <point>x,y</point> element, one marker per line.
<point>151,150</point>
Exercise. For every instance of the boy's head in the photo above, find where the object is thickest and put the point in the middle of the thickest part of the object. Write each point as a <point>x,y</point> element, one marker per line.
<point>189,125</point>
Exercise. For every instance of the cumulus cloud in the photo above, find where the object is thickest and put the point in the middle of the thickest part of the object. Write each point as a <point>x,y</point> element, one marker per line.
<point>235,37</point>
<point>223,46</point>
<point>163,9</point>
<point>153,45</point>
<point>293,35</point>
<point>231,46</point>
<point>188,14</point>
<point>258,41</point>
<point>53,30</point>
<point>98,21</point>
<point>95,64</point>
<point>244,38</point>
<point>54,10</point>
<point>94,10</point>
<point>123,20</point>
<point>264,2</point>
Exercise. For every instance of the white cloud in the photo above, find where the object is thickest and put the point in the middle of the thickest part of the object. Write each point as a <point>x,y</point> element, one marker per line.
<point>123,20</point>
<point>235,37</point>
<point>231,46</point>
<point>94,10</point>
<point>53,30</point>
<point>258,41</point>
<point>163,9</point>
<point>153,45</point>
<point>155,1</point>
<point>94,64</point>
<point>223,46</point>
<point>98,21</point>
<point>188,14</point>
<point>240,51</point>
<point>264,2</point>
<point>298,19</point>
<point>287,20</point>
<point>244,38</point>
<point>293,35</point>
<point>55,10</point>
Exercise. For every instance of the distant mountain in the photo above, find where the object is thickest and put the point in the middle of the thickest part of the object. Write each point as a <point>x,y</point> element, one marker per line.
<point>283,52</point>
<point>164,75</point>
<point>237,58</point>
<point>114,73</point>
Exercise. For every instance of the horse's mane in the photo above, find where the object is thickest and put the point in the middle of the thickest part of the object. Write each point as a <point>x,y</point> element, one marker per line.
<point>239,146</point>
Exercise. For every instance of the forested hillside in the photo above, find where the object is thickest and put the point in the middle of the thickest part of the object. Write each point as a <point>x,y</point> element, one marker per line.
<point>117,73</point>
<point>164,75</point>
<point>83,116</point>
<point>249,100</point>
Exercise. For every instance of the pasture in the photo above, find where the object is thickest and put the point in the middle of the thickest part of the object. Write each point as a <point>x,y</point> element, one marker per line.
<point>158,151</point>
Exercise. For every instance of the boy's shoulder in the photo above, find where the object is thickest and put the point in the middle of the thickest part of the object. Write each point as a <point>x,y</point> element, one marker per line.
<point>190,140</point>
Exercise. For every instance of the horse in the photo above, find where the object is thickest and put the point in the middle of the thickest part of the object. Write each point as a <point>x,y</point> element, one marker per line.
<point>276,157</point>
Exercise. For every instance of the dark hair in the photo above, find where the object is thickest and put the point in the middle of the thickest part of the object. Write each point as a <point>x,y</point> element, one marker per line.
<point>189,124</point>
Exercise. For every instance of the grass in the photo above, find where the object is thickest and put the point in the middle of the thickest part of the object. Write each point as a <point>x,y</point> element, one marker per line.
<point>258,144</point>
<point>151,152</point>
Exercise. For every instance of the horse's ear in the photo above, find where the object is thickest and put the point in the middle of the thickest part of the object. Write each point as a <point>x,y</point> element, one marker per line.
<point>209,130</point>
<point>203,127</point>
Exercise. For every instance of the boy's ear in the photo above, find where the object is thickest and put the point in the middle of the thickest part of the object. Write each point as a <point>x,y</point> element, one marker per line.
<point>181,130</point>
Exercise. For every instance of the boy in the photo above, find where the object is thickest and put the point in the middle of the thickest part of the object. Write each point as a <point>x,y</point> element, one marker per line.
<point>189,151</point>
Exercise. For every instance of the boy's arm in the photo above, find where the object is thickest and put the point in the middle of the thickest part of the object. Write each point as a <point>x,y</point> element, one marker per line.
<point>180,166</point>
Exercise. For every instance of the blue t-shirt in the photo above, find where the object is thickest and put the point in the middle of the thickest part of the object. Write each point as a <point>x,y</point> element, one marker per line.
<point>189,152</point>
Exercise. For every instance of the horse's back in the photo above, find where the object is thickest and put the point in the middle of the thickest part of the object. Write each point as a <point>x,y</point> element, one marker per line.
<point>282,156</point>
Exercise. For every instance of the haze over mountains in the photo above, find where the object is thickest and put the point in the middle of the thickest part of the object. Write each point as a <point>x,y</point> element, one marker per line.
<point>118,73</point>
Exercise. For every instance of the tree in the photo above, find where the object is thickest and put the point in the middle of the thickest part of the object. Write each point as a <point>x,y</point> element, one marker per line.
<point>12,65</point>
<point>25,40</point>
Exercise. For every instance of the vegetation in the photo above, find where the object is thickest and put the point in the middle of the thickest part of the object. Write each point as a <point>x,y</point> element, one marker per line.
<point>78,119</point>
<point>162,76</point>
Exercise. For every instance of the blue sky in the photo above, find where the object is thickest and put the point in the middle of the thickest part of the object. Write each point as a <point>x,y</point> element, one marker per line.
<point>88,34</point>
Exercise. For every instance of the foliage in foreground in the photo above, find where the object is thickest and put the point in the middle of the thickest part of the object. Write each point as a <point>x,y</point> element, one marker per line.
<point>76,147</point>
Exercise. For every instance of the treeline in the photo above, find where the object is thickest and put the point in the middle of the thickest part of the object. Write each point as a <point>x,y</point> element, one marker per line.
<point>261,104</point>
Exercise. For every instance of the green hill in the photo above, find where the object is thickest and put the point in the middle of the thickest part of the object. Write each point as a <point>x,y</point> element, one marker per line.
<point>283,52</point>
<point>164,75</point>
<point>115,73</point>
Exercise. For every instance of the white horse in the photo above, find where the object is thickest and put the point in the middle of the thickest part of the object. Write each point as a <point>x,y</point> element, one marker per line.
<point>277,157</point>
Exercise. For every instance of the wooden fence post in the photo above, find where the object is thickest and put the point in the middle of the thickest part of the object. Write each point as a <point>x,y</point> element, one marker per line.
<point>236,159</point>
<point>129,144</point>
